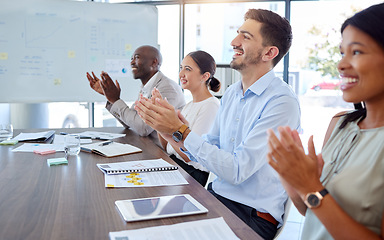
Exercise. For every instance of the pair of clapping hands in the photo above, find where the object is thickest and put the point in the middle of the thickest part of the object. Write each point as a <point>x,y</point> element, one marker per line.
<point>287,156</point>
<point>105,86</point>
<point>159,114</point>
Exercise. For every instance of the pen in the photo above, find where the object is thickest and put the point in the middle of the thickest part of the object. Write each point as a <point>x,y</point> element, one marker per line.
<point>105,143</point>
<point>66,153</point>
<point>93,138</point>
<point>85,137</point>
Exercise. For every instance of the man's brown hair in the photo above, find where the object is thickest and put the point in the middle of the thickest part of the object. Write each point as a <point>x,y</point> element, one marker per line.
<point>275,30</point>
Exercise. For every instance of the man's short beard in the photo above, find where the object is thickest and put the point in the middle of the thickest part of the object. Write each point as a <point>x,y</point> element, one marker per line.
<point>236,66</point>
<point>248,59</point>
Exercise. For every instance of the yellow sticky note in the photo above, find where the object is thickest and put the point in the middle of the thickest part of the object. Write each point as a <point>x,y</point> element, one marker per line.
<point>71,54</point>
<point>3,56</point>
<point>57,81</point>
<point>128,47</point>
<point>138,183</point>
<point>110,185</point>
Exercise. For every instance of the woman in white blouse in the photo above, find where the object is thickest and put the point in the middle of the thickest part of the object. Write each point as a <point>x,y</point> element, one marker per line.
<point>196,75</point>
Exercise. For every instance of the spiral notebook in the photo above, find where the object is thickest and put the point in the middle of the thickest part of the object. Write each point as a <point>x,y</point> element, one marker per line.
<point>136,166</point>
<point>110,149</point>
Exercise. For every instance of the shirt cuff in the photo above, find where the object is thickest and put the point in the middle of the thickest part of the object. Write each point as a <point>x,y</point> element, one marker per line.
<point>192,143</point>
<point>117,108</point>
<point>108,106</point>
<point>188,155</point>
<point>119,104</point>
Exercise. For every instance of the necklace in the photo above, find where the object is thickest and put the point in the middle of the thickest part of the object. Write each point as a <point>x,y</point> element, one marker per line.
<point>341,153</point>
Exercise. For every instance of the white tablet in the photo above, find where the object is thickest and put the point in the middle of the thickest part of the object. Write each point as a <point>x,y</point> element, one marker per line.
<point>159,207</point>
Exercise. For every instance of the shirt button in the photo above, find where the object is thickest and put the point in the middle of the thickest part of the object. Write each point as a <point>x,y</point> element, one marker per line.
<point>242,100</point>
<point>237,119</point>
<point>232,139</point>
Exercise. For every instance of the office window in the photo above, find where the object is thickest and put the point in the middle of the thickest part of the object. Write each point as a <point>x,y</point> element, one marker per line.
<point>313,58</point>
<point>168,39</point>
<point>68,115</point>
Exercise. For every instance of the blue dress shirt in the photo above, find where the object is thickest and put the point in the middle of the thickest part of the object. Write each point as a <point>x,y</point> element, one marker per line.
<point>235,149</point>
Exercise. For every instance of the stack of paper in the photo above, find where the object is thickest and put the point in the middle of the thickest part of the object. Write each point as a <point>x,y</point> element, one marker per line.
<point>46,136</point>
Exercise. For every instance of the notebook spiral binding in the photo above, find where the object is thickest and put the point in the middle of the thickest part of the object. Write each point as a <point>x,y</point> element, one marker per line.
<point>143,170</point>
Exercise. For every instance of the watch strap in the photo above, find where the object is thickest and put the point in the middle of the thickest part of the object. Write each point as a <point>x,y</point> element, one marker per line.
<point>179,134</point>
<point>324,192</point>
<point>182,128</point>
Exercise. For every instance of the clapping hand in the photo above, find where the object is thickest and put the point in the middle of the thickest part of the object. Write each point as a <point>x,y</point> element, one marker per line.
<point>158,113</point>
<point>111,90</point>
<point>287,157</point>
<point>94,82</point>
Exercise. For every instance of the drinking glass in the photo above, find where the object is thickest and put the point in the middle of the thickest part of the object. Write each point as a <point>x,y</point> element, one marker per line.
<point>6,131</point>
<point>72,144</point>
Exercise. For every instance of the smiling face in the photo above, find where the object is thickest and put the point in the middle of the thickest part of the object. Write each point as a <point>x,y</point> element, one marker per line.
<point>142,63</point>
<point>247,45</point>
<point>190,75</point>
<point>361,67</point>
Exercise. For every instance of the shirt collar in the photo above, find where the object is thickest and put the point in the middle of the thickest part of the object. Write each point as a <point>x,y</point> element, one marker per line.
<point>147,88</point>
<point>261,84</point>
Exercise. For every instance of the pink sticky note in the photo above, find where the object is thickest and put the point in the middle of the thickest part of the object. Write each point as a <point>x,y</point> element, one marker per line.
<point>44,152</point>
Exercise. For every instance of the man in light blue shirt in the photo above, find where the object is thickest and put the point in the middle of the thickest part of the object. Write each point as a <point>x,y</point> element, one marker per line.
<point>235,149</point>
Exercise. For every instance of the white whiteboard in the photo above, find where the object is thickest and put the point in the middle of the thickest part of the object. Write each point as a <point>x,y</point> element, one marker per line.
<point>47,46</point>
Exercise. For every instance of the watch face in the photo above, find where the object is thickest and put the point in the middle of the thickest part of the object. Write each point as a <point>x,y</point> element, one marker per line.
<point>177,136</point>
<point>313,200</point>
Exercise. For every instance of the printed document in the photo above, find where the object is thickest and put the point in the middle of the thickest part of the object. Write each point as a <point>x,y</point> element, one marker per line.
<point>30,147</point>
<point>209,229</point>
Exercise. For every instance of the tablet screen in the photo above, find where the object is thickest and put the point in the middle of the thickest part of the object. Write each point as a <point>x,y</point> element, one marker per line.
<point>158,207</point>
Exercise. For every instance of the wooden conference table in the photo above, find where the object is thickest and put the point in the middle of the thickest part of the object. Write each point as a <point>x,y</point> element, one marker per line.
<point>38,201</point>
